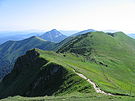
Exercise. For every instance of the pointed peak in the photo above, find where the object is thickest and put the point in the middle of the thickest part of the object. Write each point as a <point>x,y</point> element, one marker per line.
<point>54,30</point>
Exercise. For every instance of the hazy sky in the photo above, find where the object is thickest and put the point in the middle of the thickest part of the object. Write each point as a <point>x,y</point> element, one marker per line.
<point>67,15</point>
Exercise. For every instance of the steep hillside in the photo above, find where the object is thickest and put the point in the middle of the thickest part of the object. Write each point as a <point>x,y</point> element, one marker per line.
<point>109,58</point>
<point>95,42</point>
<point>38,74</point>
<point>53,36</point>
<point>10,50</point>
<point>60,44</point>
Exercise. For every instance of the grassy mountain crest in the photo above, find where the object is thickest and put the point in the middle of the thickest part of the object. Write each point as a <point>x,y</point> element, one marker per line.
<point>34,75</point>
<point>113,54</point>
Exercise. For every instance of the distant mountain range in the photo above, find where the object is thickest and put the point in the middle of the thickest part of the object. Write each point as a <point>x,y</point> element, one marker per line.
<point>11,50</point>
<point>53,36</point>
<point>16,36</point>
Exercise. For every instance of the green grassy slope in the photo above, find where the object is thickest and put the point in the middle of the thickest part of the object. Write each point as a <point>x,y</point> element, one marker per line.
<point>81,91</point>
<point>108,60</point>
<point>11,50</point>
<point>60,44</point>
<point>36,75</point>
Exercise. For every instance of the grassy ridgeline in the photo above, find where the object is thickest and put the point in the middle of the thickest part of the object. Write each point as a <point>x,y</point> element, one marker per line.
<point>108,60</point>
<point>36,75</point>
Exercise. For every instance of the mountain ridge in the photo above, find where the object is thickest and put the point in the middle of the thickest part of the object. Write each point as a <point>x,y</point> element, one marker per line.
<point>83,32</point>
<point>10,50</point>
<point>53,36</point>
<point>106,59</point>
<point>112,53</point>
<point>49,78</point>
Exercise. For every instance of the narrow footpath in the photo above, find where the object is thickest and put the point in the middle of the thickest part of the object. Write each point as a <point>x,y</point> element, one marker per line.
<point>98,90</point>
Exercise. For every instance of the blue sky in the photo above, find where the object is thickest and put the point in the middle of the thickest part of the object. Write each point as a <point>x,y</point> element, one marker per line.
<point>67,15</point>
